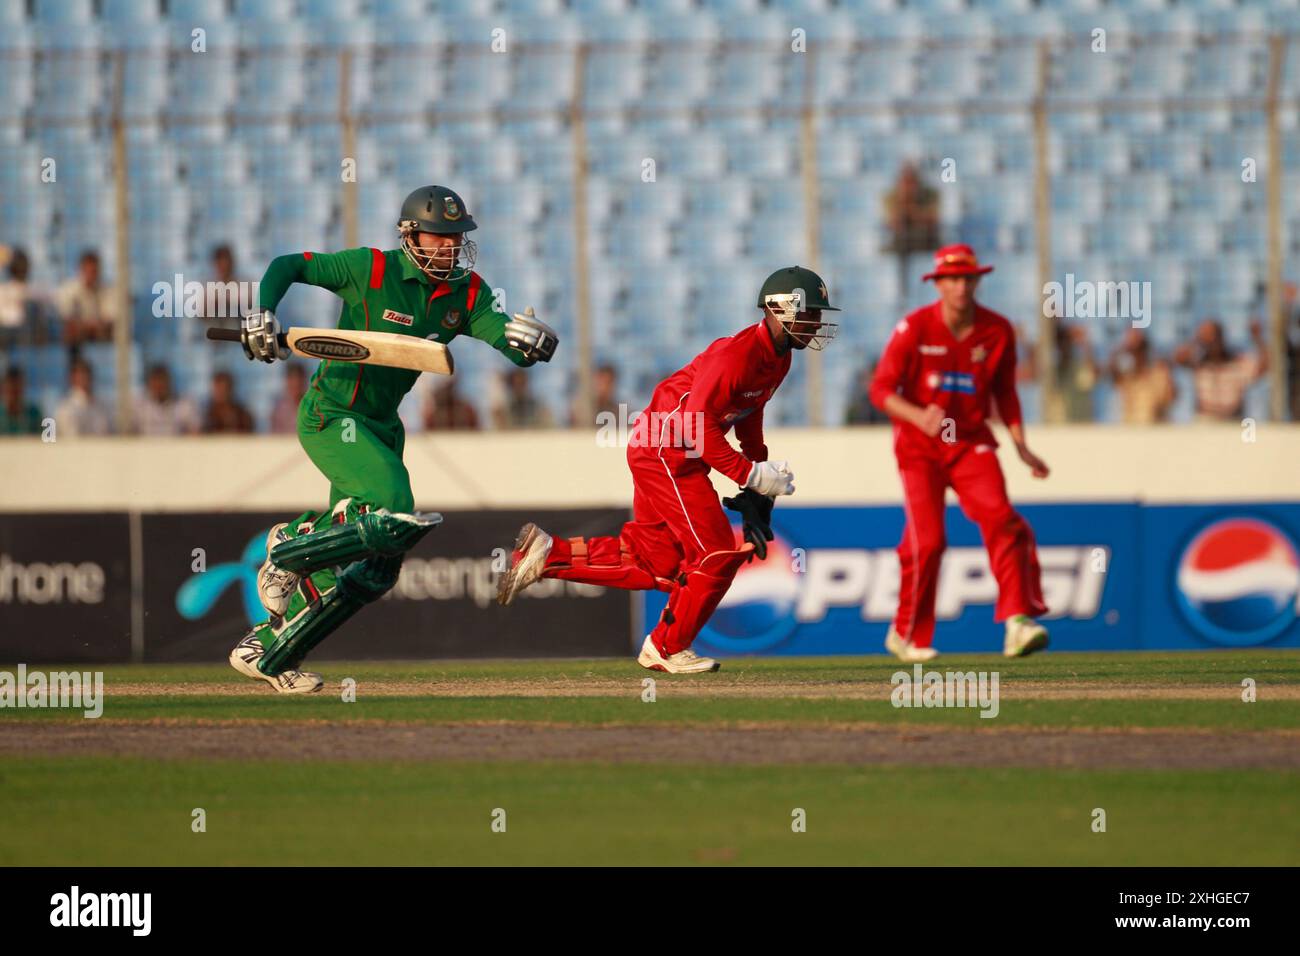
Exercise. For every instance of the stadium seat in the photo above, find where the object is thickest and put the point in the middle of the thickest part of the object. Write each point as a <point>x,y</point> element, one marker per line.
<point>17,73</point>
<point>64,12</point>
<point>197,12</point>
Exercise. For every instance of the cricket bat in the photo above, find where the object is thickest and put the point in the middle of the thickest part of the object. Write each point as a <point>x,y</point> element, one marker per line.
<point>365,348</point>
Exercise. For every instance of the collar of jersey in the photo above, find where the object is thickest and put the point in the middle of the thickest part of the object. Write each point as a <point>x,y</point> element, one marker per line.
<point>768,346</point>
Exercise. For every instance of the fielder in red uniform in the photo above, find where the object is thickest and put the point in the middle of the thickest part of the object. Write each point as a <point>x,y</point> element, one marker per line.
<point>942,367</point>
<point>679,539</point>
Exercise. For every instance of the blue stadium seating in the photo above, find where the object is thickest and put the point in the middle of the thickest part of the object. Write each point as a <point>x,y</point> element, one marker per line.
<point>241,144</point>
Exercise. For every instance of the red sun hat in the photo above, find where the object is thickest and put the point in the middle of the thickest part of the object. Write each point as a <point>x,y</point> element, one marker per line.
<point>958,260</point>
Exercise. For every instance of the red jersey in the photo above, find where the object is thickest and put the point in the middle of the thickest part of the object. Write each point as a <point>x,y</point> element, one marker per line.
<point>691,411</point>
<point>925,364</point>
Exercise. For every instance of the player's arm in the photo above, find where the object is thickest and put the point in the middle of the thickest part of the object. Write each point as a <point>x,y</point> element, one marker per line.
<point>524,339</point>
<point>711,394</point>
<point>343,273</point>
<point>891,370</point>
<point>1004,393</point>
<point>749,432</point>
<point>488,325</point>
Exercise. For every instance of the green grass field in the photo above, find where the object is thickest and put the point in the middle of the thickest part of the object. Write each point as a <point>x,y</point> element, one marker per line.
<point>712,771</point>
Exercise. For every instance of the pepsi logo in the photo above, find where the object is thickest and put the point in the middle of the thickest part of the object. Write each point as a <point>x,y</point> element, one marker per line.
<point>756,613</point>
<point>1238,582</point>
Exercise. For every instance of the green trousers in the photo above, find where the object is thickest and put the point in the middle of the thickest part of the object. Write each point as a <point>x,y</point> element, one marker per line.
<point>361,457</point>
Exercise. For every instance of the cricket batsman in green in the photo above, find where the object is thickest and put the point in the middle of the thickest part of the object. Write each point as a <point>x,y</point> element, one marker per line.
<point>322,568</point>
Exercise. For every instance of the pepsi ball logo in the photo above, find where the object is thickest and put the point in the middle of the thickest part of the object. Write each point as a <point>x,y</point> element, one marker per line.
<point>1238,582</point>
<point>757,612</point>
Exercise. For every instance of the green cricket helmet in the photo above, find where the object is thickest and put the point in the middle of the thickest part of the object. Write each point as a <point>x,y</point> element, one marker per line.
<point>790,291</point>
<point>438,210</point>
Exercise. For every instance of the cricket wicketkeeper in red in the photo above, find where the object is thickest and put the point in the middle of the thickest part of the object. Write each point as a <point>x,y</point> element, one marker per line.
<point>679,539</point>
<point>942,367</point>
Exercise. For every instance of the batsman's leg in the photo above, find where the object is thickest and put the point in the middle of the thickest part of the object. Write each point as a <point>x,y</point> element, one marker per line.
<point>370,527</point>
<point>360,583</point>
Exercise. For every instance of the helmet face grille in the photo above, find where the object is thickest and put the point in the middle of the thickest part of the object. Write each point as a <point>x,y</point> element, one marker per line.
<point>424,260</point>
<point>786,307</point>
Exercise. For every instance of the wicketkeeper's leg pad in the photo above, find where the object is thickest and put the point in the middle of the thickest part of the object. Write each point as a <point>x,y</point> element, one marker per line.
<point>605,560</point>
<point>322,610</point>
<point>692,602</point>
<point>362,535</point>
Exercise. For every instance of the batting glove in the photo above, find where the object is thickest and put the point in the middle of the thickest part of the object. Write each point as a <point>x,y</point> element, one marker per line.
<point>260,336</point>
<point>755,511</point>
<point>771,478</point>
<point>532,336</point>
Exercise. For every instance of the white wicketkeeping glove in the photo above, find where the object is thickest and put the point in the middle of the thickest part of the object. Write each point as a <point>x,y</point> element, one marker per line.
<point>532,336</point>
<point>260,336</point>
<point>771,478</point>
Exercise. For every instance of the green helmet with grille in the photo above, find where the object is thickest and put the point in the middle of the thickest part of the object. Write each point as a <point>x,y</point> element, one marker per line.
<point>437,210</point>
<point>794,290</point>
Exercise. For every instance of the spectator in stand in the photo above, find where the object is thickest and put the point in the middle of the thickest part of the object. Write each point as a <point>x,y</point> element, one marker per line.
<point>519,408</point>
<point>1219,375</point>
<point>861,411</point>
<point>80,413</point>
<point>224,290</point>
<point>87,307</point>
<point>22,313</point>
<point>17,415</point>
<point>225,414</point>
<point>1145,387</point>
<point>912,218</point>
<point>1076,377</point>
<point>604,383</point>
<point>445,410</point>
<point>284,416</point>
<point>159,412</point>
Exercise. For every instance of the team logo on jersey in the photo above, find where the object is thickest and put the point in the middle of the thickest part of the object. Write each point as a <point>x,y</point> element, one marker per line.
<point>1238,581</point>
<point>401,318</point>
<point>978,353</point>
<point>450,208</point>
<point>451,319</point>
<point>934,350</point>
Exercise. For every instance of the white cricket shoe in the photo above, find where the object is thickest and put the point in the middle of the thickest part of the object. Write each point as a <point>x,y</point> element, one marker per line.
<point>906,651</point>
<point>532,546</point>
<point>683,662</point>
<point>275,585</point>
<point>1024,636</point>
<point>249,651</point>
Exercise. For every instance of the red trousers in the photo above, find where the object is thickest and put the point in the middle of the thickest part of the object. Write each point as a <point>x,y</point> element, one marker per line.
<point>975,475</point>
<point>679,540</point>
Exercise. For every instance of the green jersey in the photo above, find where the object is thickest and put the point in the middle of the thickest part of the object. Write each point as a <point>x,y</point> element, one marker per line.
<point>384,292</point>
